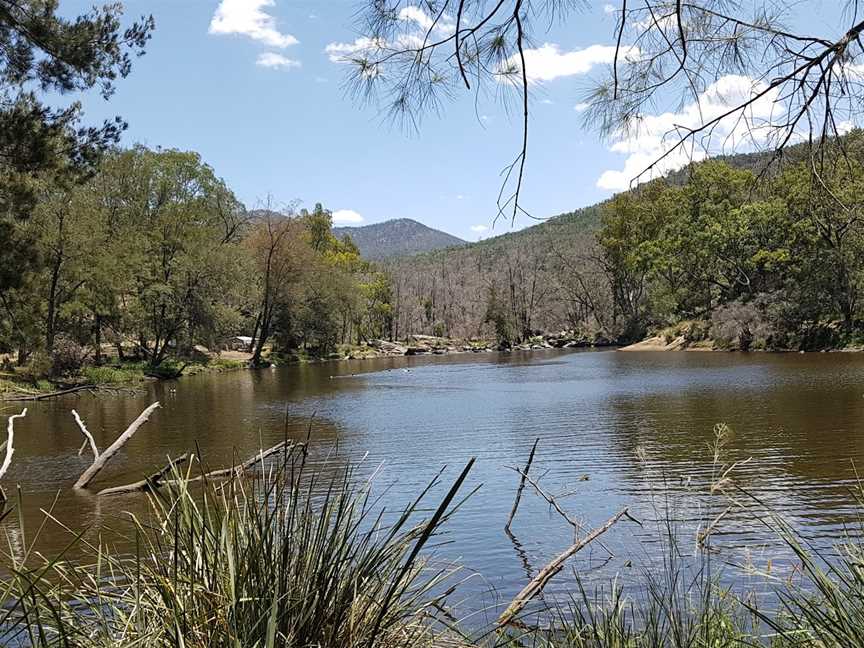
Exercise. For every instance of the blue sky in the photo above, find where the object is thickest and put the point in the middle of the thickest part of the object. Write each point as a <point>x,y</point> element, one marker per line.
<point>249,85</point>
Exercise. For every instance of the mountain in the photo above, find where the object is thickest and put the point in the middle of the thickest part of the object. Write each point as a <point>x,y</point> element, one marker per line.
<point>395,238</point>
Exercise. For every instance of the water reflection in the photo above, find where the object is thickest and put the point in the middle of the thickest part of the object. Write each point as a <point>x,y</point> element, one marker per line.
<point>799,417</point>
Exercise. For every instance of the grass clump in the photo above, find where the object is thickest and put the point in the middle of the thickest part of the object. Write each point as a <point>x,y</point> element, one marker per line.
<point>113,375</point>
<point>291,559</point>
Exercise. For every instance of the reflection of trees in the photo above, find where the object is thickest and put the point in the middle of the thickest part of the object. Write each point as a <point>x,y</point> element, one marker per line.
<point>796,417</point>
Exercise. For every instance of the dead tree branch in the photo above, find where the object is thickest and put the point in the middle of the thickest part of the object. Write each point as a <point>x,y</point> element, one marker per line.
<point>521,485</point>
<point>87,434</point>
<point>99,462</point>
<point>539,582</point>
<point>10,439</point>
<point>150,483</point>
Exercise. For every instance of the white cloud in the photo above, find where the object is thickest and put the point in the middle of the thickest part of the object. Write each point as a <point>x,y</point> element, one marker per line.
<point>343,52</point>
<point>346,216</point>
<point>479,228</point>
<point>609,8</point>
<point>444,25</point>
<point>549,62</point>
<point>579,107</point>
<point>657,134</point>
<point>416,24</point>
<point>546,102</point>
<point>460,197</point>
<point>248,18</point>
<point>276,61</point>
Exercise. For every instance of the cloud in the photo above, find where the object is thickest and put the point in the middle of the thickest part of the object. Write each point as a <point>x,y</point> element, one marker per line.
<point>549,62</point>
<point>579,107</point>
<point>479,228</point>
<point>276,61</point>
<point>546,102</point>
<point>609,8</point>
<point>248,18</point>
<point>343,52</point>
<point>444,25</point>
<point>346,216</point>
<point>657,134</point>
<point>416,23</point>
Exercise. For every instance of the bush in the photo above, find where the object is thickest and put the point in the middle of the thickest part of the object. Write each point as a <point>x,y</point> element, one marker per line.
<point>744,326</point>
<point>67,357</point>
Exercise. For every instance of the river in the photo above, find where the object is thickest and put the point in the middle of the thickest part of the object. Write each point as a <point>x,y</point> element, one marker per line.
<point>616,429</point>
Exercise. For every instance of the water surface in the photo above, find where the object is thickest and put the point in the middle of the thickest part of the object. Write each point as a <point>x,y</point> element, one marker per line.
<point>616,429</point>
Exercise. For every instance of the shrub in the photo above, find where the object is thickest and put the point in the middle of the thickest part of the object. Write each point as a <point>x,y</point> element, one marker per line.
<point>67,357</point>
<point>743,326</point>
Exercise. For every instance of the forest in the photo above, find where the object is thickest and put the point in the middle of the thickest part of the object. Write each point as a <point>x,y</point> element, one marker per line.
<point>154,256</point>
<point>153,261</point>
<point>734,251</point>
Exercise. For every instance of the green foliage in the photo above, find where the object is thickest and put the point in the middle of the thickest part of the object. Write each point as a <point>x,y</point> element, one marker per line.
<point>765,261</point>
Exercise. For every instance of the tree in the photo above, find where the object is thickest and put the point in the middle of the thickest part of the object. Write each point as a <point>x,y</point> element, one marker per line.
<point>740,74</point>
<point>278,250</point>
<point>177,225</point>
<point>46,52</point>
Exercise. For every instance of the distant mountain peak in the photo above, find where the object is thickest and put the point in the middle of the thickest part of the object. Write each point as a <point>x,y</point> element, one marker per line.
<point>397,237</point>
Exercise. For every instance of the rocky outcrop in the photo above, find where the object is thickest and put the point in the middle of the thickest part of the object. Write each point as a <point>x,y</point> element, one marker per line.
<point>415,345</point>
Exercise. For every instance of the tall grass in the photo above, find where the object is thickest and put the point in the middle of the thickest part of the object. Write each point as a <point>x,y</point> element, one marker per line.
<point>290,559</point>
<point>297,558</point>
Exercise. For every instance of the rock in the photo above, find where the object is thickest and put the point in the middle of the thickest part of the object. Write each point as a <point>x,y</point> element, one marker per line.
<point>384,347</point>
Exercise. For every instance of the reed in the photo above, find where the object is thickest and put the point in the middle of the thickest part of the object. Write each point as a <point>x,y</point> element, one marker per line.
<point>301,557</point>
<point>288,559</point>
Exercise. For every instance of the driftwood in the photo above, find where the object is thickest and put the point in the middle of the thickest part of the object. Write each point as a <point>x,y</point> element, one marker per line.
<point>87,434</point>
<point>521,485</point>
<point>554,504</point>
<point>157,480</point>
<point>39,397</point>
<point>101,459</point>
<point>535,587</point>
<point>261,455</point>
<point>10,448</point>
<point>149,483</point>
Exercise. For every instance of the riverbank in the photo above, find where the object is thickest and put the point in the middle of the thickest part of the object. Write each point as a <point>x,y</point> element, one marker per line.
<point>696,335</point>
<point>17,383</point>
<point>417,345</point>
<point>20,383</point>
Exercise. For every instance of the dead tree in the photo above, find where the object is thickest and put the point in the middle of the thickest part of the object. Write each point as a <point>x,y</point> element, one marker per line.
<point>100,460</point>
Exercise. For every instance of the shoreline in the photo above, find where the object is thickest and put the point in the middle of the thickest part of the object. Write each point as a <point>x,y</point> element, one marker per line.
<point>130,375</point>
<point>661,344</point>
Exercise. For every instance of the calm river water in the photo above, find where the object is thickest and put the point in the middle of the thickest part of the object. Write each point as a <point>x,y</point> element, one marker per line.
<point>615,429</point>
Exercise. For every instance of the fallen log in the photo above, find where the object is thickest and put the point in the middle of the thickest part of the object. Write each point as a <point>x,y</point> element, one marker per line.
<point>260,456</point>
<point>535,587</point>
<point>149,483</point>
<point>101,459</point>
<point>39,397</point>
<point>157,480</point>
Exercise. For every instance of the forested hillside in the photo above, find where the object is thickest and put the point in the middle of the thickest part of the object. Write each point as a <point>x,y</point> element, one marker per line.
<point>153,257</point>
<point>748,256</point>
